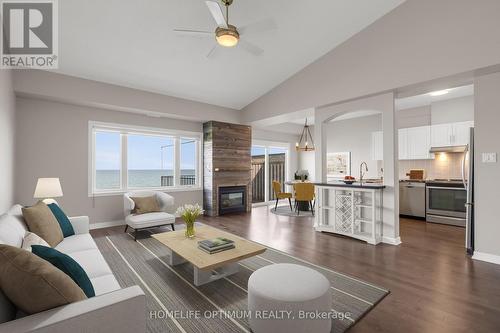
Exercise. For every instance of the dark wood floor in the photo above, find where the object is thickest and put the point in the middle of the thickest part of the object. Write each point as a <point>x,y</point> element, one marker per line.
<point>434,286</point>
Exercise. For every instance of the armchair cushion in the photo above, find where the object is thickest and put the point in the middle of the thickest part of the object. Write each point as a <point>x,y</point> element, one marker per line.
<point>143,205</point>
<point>149,220</point>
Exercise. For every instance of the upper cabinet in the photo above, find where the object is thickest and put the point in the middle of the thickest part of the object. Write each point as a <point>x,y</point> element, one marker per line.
<point>378,146</point>
<point>414,143</point>
<point>452,134</point>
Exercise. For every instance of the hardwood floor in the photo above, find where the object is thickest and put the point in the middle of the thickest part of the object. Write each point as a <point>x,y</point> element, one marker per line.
<point>435,286</point>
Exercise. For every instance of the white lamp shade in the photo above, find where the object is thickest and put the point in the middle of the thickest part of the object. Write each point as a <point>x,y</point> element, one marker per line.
<point>48,188</point>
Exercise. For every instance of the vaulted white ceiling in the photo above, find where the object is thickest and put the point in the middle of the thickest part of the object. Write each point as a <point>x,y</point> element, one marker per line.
<point>131,43</point>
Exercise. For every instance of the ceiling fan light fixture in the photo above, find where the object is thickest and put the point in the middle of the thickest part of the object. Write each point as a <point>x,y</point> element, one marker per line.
<point>227,37</point>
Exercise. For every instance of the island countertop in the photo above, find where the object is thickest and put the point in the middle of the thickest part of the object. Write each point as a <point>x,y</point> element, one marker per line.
<point>368,186</point>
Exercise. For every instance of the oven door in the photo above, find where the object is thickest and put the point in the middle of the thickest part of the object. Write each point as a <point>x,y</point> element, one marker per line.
<point>446,201</point>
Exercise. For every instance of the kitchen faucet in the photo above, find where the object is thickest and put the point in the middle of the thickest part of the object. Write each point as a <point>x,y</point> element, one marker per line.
<point>361,171</point>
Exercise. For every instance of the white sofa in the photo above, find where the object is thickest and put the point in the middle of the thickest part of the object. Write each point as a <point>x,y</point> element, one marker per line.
<point>112,309</point>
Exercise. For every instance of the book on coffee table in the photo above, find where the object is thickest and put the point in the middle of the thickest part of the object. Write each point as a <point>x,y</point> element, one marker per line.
<point>215,243</point>
<point>231,246</point>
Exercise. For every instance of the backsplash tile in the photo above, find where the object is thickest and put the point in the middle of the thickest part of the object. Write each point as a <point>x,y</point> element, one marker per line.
<point>447,165</point>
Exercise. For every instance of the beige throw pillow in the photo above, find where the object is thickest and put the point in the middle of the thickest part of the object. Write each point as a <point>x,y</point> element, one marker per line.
<point>32,239</point>
<point>145,205</point>
<point>42,222</point>
<point>32,284</point>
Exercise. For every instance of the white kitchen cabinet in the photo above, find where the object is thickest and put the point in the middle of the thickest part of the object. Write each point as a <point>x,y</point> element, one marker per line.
<point>377,146</point>
<point>419,142</point>
<point>451,134</point>
<point>441,135</point>
<point>461,133</point>
<point>403,143</point>
<point>414,143</point>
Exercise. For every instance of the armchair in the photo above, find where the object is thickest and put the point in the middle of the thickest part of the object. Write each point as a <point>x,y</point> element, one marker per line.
<point>148,220</point>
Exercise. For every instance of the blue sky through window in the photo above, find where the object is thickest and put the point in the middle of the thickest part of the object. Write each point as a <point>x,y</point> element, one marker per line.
<point>144,152</point>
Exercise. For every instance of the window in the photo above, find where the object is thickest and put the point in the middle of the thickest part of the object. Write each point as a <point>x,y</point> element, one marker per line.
<point>125,158</point>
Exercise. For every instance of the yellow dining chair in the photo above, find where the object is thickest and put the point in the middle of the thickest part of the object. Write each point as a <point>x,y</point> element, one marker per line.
<point>281,195</point>
<point>304,192</point>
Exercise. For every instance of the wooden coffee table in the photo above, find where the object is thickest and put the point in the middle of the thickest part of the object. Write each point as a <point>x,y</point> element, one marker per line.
<point>207,267</point>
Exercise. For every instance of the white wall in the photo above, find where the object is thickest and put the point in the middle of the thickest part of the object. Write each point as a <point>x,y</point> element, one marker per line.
<point>355,135</point>
<point>452,110</point>
<point>52,141</point>
<point>419,41</point>
<point>7,116</point>
<point>414,117</point>
<point>77,91</point>
<point>486,175</point>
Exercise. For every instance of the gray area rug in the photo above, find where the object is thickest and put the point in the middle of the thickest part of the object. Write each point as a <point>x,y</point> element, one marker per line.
<point>285,211</point>
<point>215,307</point>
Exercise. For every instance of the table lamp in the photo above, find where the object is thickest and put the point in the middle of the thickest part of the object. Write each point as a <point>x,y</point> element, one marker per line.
<point>48,188</point>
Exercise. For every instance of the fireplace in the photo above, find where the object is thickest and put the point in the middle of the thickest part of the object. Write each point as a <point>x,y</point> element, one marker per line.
<point>232,199</point>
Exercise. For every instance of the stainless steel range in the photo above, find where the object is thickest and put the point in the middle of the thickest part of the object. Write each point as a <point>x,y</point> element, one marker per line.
<point>445,201</point>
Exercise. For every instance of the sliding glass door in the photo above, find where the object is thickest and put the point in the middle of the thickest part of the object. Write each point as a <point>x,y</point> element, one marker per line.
<point>258,174</point>
<point>269,163</point>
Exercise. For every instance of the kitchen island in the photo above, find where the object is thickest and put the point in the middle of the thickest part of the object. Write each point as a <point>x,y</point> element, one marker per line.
<point>353,210</point>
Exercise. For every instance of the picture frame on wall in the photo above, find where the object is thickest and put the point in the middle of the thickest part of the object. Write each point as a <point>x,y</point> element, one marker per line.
<point>338,165</point>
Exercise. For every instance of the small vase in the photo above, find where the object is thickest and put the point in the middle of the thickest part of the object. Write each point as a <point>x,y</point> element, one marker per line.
<point>189,229</point>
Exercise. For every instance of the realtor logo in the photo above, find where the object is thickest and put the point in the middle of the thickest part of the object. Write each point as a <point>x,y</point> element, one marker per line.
<point>29,34</point>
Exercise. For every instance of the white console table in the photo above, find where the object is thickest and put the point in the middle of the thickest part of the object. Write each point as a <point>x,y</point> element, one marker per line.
<point>350,210</point>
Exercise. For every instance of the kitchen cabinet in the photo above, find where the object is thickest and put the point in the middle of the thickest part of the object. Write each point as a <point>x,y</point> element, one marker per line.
<point>414,143</point>
<point>451,134</point>
<point>377,150</point>
<point>461,133</point>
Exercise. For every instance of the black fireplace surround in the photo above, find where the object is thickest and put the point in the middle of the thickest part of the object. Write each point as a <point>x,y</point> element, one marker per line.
<point>232,199</point>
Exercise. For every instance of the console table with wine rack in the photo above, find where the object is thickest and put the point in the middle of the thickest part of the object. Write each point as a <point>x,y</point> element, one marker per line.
<point>351,210</point>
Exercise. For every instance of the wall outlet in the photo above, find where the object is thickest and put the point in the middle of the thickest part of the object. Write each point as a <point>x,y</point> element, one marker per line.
<point>489,157</point>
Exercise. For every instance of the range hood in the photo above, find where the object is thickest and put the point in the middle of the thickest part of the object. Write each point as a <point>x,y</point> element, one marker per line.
<point>449,149</point>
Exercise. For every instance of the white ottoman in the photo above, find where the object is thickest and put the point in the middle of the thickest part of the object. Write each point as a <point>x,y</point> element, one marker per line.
<point>281,295</point>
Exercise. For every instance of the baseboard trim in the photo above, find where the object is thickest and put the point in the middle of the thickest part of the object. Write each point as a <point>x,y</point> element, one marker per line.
<point>101,225</point>
<point>487,257</point>
<point>391,240</point>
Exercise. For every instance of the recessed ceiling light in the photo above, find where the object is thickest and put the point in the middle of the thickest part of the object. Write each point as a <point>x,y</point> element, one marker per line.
<point>439,92</point>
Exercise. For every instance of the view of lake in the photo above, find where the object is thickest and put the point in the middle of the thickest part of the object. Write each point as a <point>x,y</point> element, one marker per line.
<point>110,179</point>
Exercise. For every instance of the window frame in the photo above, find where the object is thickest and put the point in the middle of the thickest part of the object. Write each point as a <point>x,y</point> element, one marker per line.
<point>125,130</point>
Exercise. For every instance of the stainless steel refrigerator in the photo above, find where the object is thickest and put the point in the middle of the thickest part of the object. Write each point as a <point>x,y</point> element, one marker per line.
<point>468,180</point>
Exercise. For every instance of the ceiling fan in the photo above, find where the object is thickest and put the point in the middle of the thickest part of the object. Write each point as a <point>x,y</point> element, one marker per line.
<point>228,35</point>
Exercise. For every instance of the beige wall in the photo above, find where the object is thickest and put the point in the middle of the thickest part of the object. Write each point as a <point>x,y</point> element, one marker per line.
<point>487,180</point>
<point>448,166</point>
<point>7,116</point>
<point>419,41</point>
<point>52,141</point>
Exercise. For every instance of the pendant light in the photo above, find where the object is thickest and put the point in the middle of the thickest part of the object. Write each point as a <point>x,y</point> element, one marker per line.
<point>306,142</point>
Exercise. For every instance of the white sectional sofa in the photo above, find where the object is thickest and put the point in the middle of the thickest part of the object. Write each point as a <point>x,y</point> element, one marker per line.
<point>112,309</point>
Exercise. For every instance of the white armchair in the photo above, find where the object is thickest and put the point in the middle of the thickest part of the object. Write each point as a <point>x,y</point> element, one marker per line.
<point>148,220</point>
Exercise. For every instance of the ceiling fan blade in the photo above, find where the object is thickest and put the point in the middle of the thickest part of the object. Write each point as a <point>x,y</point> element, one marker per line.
<point>217,13</point>
<point>259,26</point>
<point>250,48</point>
<point>193,33</point>
<point>212,52</point>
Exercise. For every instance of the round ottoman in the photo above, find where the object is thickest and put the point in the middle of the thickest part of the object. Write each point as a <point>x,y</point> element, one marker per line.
<point>289,298</point>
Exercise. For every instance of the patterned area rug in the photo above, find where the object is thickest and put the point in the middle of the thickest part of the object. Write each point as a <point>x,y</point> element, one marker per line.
<point>174,304</point>
<point>286,211</point>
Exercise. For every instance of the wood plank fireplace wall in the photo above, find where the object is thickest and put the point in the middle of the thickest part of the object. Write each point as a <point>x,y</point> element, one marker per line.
<point>227,161</point>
